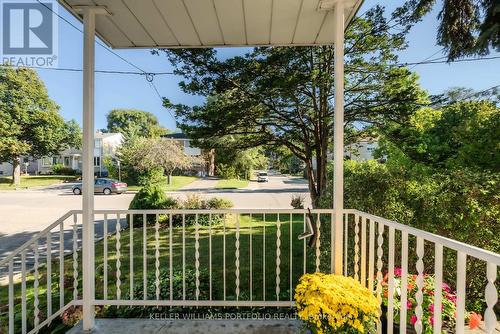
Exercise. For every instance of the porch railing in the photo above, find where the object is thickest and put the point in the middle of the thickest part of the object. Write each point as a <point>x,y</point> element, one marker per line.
<point>224,258</point>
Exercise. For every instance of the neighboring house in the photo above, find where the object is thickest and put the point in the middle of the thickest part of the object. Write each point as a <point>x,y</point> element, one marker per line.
<point>361,150</point>
<point>105,144</point>
<point>199,169</point>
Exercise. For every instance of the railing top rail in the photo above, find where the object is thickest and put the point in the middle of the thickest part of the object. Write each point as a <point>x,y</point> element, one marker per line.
<point>39,235</point>
<point>458,246</point>
<point>213,211</point>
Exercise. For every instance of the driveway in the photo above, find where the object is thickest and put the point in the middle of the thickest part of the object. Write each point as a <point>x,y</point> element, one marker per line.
<point>23,213</point>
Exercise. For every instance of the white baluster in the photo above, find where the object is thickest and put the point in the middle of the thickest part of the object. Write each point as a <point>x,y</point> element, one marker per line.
<point>210,253</point>
<point>420,284</point>
<point>118,256</point>
<point>356,247</point>
<point>291,258</point>
<point>251,259</point>
<point>371,255</point>
<point>61,265</point>
<point>171,255</point>
<point>438,287</point>
<point>264,258</point>
<point>318,243</point>
<point>390,291</point>
<point>49,274</point>
<point>278,257</point>
<point>131,247</point>
<point>75,260</point>
<point>404,282</point>
<point>144,257</point>
<point>346,241</point>
<point>157,257</point>
<point>363,251</point>
<point>11,296</point>
<point>237,257</point>
<point>105,259</point>
<point>36,284</point>
<point>197,255</point>
<point>461,273</point>
<point>304,251</point>
<point>184,256</point>
<point>380,252</point>
<point>23,292</point>
<point>490,318</point>
<point>224,255</point>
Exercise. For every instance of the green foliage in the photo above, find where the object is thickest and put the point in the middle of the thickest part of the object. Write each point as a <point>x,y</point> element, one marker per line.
<point>283,96</point>
<point>466,27</point>
<point>463,134</point>
<point>226,172</point>
<point>59,169</point>
<point>152,197</point>
<point>30,123</point>
<point>216,203</point>
<point>111,167</point>
<point>297,201</point>
<point>133,123</point>
<point>178,280</point>
<point>460,204</point>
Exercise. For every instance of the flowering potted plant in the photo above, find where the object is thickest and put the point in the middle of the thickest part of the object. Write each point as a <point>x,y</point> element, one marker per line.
<point>448,308</point>
<point>336,304</point>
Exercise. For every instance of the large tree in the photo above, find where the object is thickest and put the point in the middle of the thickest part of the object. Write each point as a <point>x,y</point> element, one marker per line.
<point>147,155</point>
<point>30,123</point>
<point>284,96</point>
<point>466,27</point>
<point>134,123</point>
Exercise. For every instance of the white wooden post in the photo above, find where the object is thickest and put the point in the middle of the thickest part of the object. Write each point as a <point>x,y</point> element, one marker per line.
<point>88,265</point>
<point>338,143</point>
<point>88,167</point>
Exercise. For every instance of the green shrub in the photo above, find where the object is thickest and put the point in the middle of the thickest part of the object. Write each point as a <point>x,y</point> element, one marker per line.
<point>297,201</point>
<point>152,197</point>
<point>217,203</point>
<point>59,169</point>
<point>227,172</point>
<point>177,282</point>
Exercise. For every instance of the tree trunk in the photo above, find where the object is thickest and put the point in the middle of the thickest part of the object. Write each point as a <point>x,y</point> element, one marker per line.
<point>211,163</point>
<point>16,170</point>
<point>312,183</point>
<point>169,178</point>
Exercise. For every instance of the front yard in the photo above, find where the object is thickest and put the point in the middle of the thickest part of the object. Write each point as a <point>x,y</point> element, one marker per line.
<point>231,184</point>
<point>177,183</point>
<point>34,181</point>
<point>257,264</point>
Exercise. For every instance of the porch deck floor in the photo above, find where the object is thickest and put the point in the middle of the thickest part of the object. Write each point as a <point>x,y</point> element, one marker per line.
<point>184,326</point>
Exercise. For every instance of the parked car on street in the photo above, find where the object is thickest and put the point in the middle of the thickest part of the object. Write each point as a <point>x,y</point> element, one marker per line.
<point>262,177</point>
<point>104,186</point>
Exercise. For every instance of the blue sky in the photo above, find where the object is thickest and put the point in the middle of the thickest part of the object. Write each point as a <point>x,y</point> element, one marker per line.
<point>132,91</point>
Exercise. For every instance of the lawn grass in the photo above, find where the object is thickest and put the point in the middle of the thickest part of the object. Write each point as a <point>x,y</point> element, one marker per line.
<point>257,268</point>
<point>177,183</point>
<point>34,181</point>
<point>231,184</point>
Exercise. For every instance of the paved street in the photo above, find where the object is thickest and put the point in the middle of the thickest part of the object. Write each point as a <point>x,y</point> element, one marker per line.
<point>25,212</point>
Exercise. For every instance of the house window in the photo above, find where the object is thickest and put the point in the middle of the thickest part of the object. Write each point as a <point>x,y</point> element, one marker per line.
<point>66,161</point>
<point>54,160</point>
<point>97,161</point>
<point>46,161</point>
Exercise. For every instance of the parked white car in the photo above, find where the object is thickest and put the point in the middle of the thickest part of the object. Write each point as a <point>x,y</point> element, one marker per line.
<point>262,177</point>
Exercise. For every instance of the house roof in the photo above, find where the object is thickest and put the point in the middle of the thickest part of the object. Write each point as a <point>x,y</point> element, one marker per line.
<point>214,23</point>
<point>99,135</point>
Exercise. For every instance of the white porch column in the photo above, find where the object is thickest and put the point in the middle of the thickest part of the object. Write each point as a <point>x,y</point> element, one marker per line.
<point>88,168</point>
<point>338,143</point>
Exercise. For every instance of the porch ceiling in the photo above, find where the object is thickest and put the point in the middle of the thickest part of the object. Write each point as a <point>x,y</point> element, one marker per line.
<point>214,23</point>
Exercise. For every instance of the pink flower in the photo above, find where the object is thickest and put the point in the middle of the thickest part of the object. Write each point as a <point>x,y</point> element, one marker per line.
<point>431,308</point>
<point>409,305</point>
<point>446,287</point>
<point>413,319</point>
<point>431,320</point>
<point>397,271</point>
